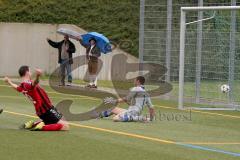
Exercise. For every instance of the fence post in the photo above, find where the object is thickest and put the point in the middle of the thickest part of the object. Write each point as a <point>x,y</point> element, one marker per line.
<point>169,40</point>
<point>141,35</point>
<point>199,54</point>
<point>232,46</point>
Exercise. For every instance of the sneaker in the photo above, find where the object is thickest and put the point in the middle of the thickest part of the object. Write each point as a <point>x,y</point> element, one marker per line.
<point>93,86</point>
<point>1,110</point>
<point>88,86</point>
<point>27,125</point>
<point>61,85</point>
<point>69,84</point>
<point>38,127</point>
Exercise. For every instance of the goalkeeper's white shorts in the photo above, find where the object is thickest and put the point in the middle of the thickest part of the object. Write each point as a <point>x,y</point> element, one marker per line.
<point>130,115</point>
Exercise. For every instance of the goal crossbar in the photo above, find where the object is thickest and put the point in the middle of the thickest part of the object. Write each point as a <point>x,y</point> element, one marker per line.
<point>210,8</point>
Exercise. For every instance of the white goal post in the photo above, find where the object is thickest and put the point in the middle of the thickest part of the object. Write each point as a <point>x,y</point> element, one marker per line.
<point>183,24</point>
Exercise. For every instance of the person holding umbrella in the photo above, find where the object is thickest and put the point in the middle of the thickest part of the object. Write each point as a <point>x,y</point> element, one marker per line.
<point>95,43</point>
<point>65,50</point>
<point>92,54</point>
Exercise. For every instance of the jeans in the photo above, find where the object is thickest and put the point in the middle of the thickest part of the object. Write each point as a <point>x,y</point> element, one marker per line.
<point>64,65</point>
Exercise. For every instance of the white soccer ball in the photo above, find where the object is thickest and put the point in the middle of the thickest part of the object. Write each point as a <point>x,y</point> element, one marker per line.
<point>225,88</point>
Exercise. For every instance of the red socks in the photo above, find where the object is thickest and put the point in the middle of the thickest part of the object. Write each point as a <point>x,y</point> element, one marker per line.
<point>52,127</point>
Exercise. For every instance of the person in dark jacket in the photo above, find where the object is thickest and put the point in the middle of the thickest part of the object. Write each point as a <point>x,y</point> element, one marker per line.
<point>92,54</point>
<point>65,50</point>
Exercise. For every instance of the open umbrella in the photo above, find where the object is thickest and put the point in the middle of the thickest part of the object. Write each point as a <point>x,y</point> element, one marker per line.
<point>102,42</point>
<point>72,34</point>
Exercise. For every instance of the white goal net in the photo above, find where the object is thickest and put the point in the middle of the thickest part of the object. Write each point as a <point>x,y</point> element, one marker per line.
<point>209,57</point>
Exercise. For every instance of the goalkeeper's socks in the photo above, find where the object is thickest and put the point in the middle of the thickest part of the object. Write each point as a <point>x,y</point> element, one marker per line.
<point>52,127</point>
<point>125,118</point>
<point>106,113</point>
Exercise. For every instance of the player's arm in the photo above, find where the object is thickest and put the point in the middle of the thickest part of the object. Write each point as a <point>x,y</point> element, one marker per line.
<point>38,74</point>
<point>150,109</point>
<point>128,98</point>
<point>81,42</point>
<point>122,100</point>
<point>52,43</point>
<point>9,82</point>
<point>151,113</point>
<point>111,100</point>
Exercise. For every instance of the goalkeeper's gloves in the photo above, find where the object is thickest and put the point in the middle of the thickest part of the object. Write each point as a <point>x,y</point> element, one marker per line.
<point>110,100</point>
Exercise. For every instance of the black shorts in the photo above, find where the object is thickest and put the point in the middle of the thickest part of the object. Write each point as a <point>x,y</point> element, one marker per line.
<point>51,116</point>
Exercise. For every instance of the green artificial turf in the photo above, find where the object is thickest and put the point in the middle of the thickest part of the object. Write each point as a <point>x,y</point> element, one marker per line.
<point>91,143</point>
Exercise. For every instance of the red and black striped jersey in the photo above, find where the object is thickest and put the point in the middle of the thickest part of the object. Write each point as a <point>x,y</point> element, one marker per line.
<point>37,95</point>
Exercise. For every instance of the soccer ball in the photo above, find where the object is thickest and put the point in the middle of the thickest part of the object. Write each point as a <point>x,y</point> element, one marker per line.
<point>225,88</point>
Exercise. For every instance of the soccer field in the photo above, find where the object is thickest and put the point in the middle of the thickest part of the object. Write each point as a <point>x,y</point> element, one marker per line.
<point>191,135</point>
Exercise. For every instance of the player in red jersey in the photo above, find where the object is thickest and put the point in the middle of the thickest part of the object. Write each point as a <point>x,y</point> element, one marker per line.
<point>50,118</point>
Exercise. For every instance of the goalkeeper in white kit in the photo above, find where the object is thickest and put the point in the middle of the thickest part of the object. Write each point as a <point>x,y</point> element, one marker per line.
<point>137,99</point>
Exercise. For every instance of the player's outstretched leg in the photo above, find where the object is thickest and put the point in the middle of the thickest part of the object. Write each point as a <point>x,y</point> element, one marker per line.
<point>52,120</point>
<point>127,117</point>
<point>60,126</point>
<point>122,117</point>
<point>109,112</point>
<point>30,124</point>
<point>106,113</point>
